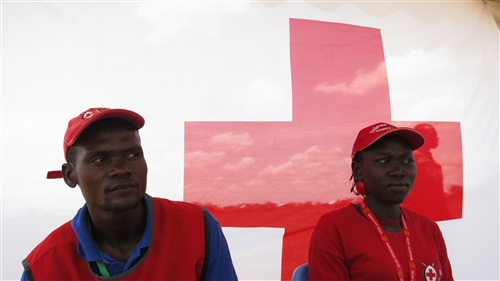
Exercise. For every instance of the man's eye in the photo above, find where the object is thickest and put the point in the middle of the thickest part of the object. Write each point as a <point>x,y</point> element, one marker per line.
<point>98,160</point>
<point>132,155</point>
<point>382,161</point>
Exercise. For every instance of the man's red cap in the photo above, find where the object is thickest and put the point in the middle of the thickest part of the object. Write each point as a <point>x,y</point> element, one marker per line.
<point>90,116</point>
<point>372,133</point>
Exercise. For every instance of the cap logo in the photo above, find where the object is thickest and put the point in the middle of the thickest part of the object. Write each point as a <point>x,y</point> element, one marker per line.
<point>381,127</point>
<point>89,113</point>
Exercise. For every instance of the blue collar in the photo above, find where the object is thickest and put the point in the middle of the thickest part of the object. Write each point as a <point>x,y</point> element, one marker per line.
<point>87,247</point>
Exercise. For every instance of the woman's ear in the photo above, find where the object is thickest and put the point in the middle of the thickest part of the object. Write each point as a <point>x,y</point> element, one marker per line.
<point>68,172</point>
<point>356,170</point>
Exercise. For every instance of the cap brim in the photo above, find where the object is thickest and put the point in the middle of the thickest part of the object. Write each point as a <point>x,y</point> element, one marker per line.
<point>413,137</point>
<point>124,114</point>
<point>54,175</point>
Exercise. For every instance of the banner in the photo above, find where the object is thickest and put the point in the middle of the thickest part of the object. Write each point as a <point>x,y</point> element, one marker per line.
<point>251,109</point>
<point>288,174</point>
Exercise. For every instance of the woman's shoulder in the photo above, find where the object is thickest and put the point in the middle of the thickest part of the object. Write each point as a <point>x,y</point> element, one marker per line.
<point>342,214</point>
<point>422,226</point>
<point>338,222</point>
<point>417,218</point>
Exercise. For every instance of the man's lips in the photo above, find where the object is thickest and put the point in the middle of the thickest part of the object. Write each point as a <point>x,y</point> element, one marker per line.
<point>122,186</point>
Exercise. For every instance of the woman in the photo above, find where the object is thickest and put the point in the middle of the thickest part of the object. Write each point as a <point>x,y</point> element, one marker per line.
<point>378,239</point>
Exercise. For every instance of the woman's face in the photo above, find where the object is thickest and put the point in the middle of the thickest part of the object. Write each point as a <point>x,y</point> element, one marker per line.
<point>388,170</point>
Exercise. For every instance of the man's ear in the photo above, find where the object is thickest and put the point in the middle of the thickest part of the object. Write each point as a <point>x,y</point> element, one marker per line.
<point>356,170</point>
<point>68,172</point>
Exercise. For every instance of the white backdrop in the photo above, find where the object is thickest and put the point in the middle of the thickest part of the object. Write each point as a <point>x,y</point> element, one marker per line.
<point>210,61</point>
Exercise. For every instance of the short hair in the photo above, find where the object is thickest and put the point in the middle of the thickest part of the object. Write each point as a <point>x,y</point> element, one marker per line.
<point>72,151</point>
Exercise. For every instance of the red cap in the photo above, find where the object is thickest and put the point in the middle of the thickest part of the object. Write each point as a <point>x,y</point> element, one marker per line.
<point>84,119</point>
<point>372,133</point>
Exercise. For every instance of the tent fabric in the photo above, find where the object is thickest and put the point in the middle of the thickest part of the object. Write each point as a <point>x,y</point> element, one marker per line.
<point>494,7</point>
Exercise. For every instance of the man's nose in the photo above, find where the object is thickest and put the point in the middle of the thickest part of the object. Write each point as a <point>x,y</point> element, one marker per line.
<point>119,168</point>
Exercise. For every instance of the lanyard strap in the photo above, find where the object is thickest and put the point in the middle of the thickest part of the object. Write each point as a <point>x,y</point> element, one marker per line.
<point>102,268</point>
<point>385,240</point>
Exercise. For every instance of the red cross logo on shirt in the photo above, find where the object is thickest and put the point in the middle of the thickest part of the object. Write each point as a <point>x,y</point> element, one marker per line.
<point>430,273</point>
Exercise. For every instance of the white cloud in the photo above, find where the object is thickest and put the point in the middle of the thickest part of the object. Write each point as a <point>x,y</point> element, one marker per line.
<point>313,163</point>
<point>231,142</point>
<point>245,163</point>
<point>199,158</point>
<point>363,83</point>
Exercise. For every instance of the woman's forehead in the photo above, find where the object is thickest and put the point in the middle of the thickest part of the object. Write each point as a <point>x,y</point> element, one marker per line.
<point>389,142</point>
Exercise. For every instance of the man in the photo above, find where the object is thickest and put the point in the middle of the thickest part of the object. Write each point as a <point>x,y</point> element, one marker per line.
<point>121,232</point>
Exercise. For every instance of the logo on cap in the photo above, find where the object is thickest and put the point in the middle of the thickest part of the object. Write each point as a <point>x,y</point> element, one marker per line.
<point>89,113</point>
<point>381,127</point>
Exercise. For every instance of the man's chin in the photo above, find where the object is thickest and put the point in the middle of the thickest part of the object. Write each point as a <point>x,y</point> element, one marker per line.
<point>121,205</point>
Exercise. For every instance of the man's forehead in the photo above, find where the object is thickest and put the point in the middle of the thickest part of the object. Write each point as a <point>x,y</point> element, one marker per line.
<point>111,136</point>
<point>108,144</point>
<point>107,125</point>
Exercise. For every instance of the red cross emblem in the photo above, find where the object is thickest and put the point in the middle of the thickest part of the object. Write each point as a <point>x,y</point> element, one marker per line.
<point>430,273</point>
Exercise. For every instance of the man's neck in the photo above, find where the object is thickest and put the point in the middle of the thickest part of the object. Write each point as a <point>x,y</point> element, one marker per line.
<point>118,233</point>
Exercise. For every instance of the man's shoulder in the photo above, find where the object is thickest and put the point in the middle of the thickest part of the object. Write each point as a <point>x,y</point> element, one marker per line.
<point>61,236</point>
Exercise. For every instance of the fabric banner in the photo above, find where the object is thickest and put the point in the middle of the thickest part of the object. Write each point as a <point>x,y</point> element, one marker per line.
<point>251,109</point>
<point>287,174</point>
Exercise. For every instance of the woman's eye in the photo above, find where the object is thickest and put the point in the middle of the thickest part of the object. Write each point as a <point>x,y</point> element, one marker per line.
<point>408,161</point>
<point>382,161</point>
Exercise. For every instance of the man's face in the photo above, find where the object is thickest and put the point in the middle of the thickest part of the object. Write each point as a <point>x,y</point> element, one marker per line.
<point>388,170</point>
<point>109,167</point>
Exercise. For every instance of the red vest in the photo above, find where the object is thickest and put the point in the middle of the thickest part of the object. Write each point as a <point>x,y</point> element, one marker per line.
<point>177,249</point>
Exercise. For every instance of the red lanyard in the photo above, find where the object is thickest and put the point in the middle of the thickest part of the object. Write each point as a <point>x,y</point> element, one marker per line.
<point>383,237</point>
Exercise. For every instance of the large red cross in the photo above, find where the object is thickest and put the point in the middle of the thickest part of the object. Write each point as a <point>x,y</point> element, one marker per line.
<point>287,174</point>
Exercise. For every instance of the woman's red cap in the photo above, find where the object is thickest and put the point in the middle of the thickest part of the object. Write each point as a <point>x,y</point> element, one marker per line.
<point>372,133</point>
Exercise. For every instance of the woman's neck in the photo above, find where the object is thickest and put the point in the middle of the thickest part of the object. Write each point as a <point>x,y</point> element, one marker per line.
<point>383,210</point>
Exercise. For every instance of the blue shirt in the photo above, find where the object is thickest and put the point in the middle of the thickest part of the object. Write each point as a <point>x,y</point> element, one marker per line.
<point>220,266</point>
